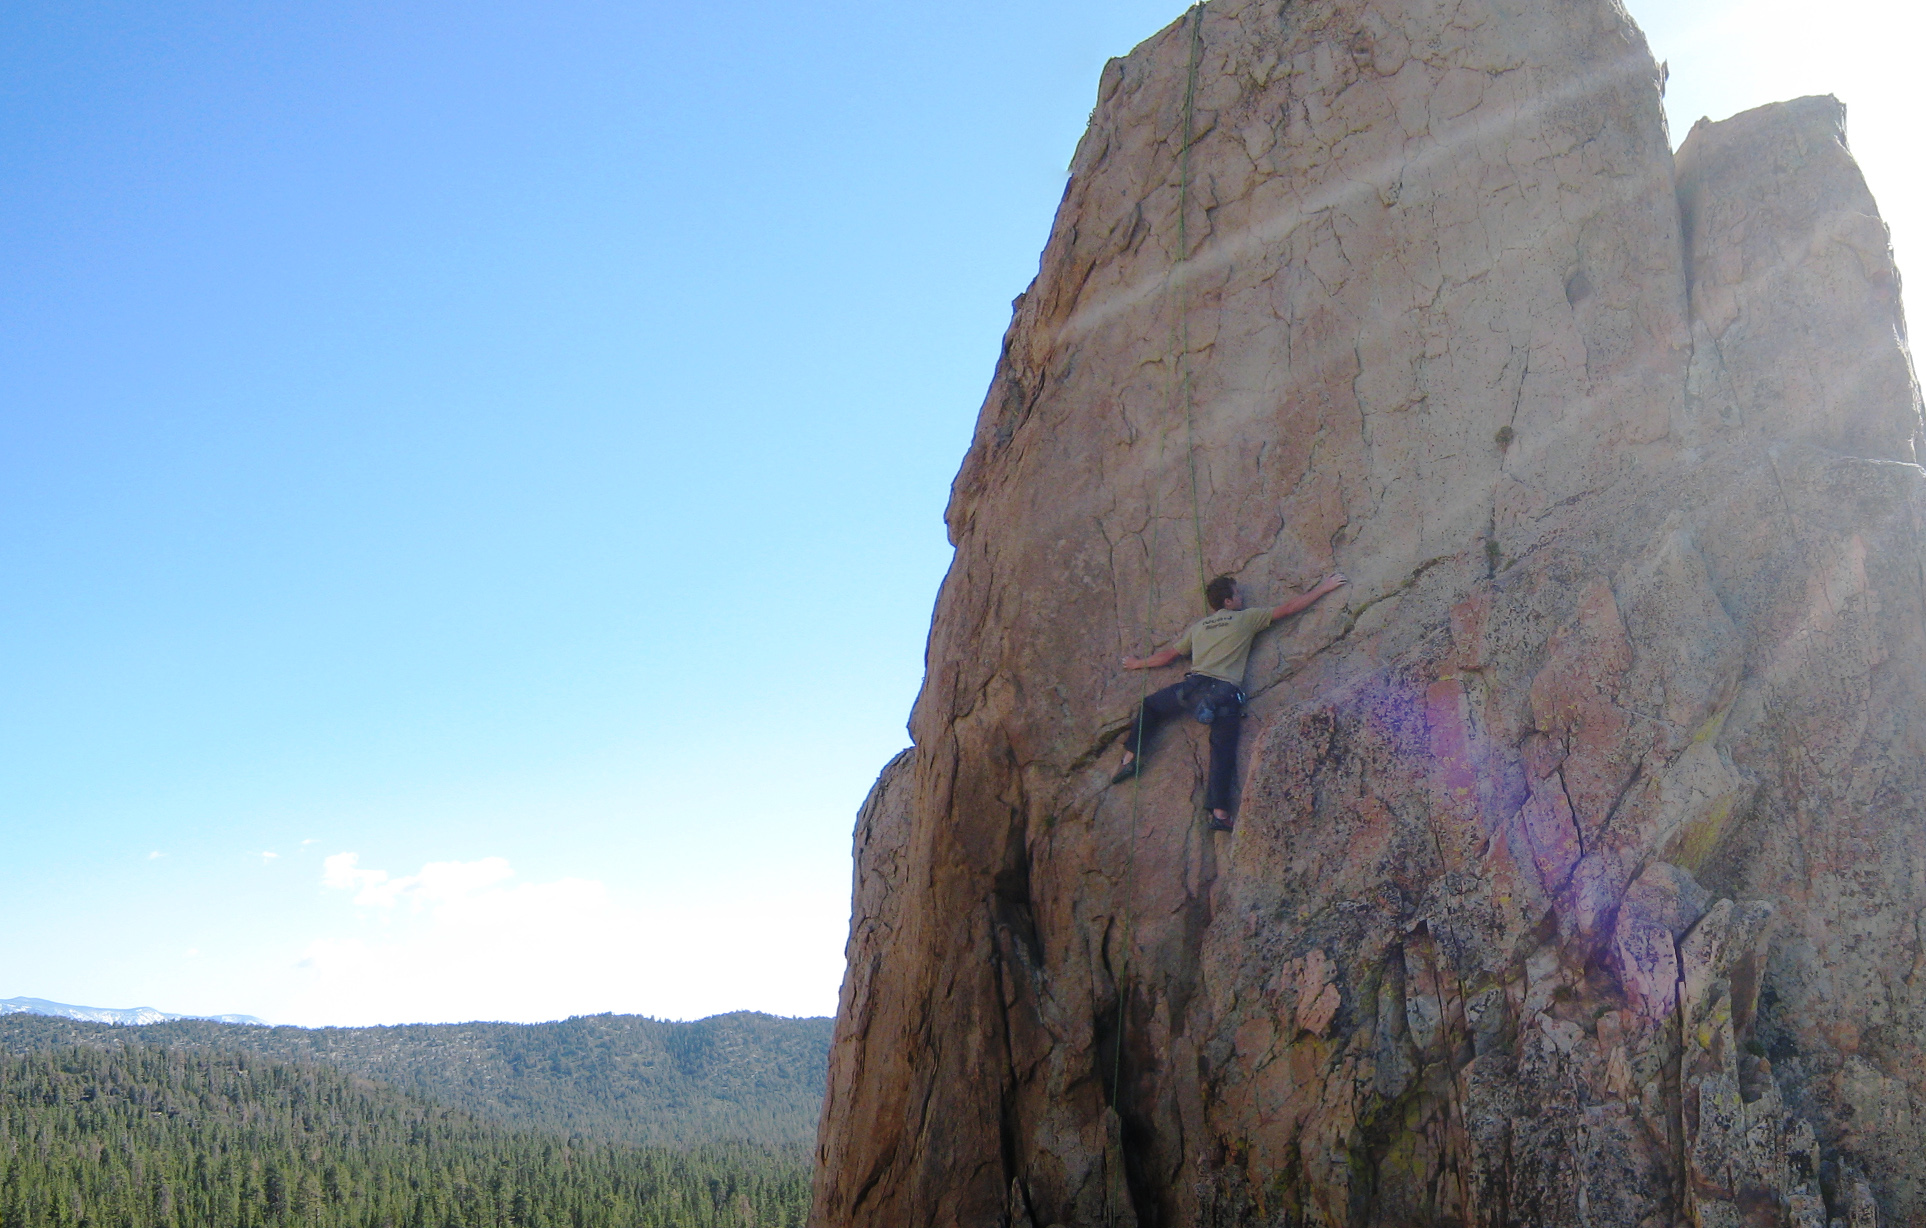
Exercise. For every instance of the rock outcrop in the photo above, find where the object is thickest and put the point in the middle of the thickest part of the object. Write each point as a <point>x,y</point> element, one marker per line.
<point>1580,865</point>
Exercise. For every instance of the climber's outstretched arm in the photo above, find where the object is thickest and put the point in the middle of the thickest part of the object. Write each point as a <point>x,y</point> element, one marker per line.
<point>1330,583</point>
<point>1156,660</point>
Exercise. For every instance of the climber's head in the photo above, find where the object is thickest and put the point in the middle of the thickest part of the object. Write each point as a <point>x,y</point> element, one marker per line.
<point>1221,594</point>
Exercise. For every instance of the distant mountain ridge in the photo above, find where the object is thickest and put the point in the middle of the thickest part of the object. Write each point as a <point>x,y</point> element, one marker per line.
<point>133,1016</point>
<point>619,1078</point>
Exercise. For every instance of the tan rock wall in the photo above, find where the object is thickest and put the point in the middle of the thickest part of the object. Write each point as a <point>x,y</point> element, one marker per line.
<point>1580,863</point>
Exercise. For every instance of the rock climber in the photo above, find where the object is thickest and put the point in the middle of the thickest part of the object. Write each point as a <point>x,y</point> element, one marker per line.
<point>1219,647</point>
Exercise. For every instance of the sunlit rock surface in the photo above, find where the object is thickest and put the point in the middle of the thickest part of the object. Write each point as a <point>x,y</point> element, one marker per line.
<point>1580,862</point>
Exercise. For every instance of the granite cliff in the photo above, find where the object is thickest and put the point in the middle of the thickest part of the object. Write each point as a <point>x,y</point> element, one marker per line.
<point>1580,863</point>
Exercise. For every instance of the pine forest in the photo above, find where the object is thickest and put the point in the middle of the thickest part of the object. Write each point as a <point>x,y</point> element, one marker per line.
<point>141,1136</point>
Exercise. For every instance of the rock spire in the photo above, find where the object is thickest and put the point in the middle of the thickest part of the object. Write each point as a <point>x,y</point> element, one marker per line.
<point>1581,857</point>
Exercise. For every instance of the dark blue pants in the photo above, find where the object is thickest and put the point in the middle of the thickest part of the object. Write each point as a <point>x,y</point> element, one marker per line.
<point>1226,702</point>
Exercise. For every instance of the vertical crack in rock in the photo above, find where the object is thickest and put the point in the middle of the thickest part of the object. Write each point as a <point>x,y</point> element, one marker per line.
<point>1580,854</point>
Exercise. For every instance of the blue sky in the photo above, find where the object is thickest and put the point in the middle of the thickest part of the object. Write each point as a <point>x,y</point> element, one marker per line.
<point>471,475</point>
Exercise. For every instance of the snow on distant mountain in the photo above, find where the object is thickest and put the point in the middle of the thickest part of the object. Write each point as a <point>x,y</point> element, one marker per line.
<point>133,1015</point>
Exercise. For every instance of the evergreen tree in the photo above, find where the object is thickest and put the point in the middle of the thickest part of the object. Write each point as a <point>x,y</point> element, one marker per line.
<point>151,1137</point>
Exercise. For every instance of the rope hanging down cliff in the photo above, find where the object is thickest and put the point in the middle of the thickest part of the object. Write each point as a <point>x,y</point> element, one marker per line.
<point>1179,368</point>
<point>1219,644</point>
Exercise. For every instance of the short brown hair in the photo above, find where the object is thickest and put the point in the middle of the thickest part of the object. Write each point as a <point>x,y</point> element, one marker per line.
<point>1218,592</point>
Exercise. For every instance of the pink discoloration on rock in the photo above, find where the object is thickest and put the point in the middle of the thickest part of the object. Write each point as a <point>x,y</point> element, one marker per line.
<point>1648,968</point>
<point>1456,776</point>
<point>1574,703</point>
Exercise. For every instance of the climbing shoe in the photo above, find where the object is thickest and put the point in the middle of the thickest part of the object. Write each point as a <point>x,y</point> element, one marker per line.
<point>1217,824</point>
<point>1128,771</point>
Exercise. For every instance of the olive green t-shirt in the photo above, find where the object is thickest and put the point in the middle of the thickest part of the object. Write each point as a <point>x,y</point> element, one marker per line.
<point>1219,643</point>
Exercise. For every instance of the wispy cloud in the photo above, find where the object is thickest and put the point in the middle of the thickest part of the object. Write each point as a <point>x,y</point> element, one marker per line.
<point>267,857</point>
<point>156,855</point>
<point>439,883</point>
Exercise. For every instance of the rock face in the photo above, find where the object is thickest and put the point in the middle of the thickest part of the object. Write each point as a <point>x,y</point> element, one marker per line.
<point>1580,865</point>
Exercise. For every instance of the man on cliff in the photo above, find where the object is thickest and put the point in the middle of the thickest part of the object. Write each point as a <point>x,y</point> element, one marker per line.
<point>1219,647</point>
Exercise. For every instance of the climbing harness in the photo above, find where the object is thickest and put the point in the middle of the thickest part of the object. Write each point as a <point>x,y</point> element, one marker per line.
<point>1212,707</point>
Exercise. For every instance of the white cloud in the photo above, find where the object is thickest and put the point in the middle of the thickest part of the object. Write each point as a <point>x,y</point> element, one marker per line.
<point>156,855</point>
<point>439,883</point>
<point>343,873</point>
<point>267,857</point>
<point>467,940</point>
<point>340,871</point>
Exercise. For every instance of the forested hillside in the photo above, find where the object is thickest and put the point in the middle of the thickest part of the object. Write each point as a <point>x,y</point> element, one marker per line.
<point>620,1078</point>
<point>136,1136</point>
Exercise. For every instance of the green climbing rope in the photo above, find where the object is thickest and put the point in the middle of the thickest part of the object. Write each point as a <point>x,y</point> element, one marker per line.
<point>1180,393</point>
<point>1181,284</point>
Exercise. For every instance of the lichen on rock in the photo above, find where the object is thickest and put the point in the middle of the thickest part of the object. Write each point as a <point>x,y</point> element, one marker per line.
<point>1580,857</point>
